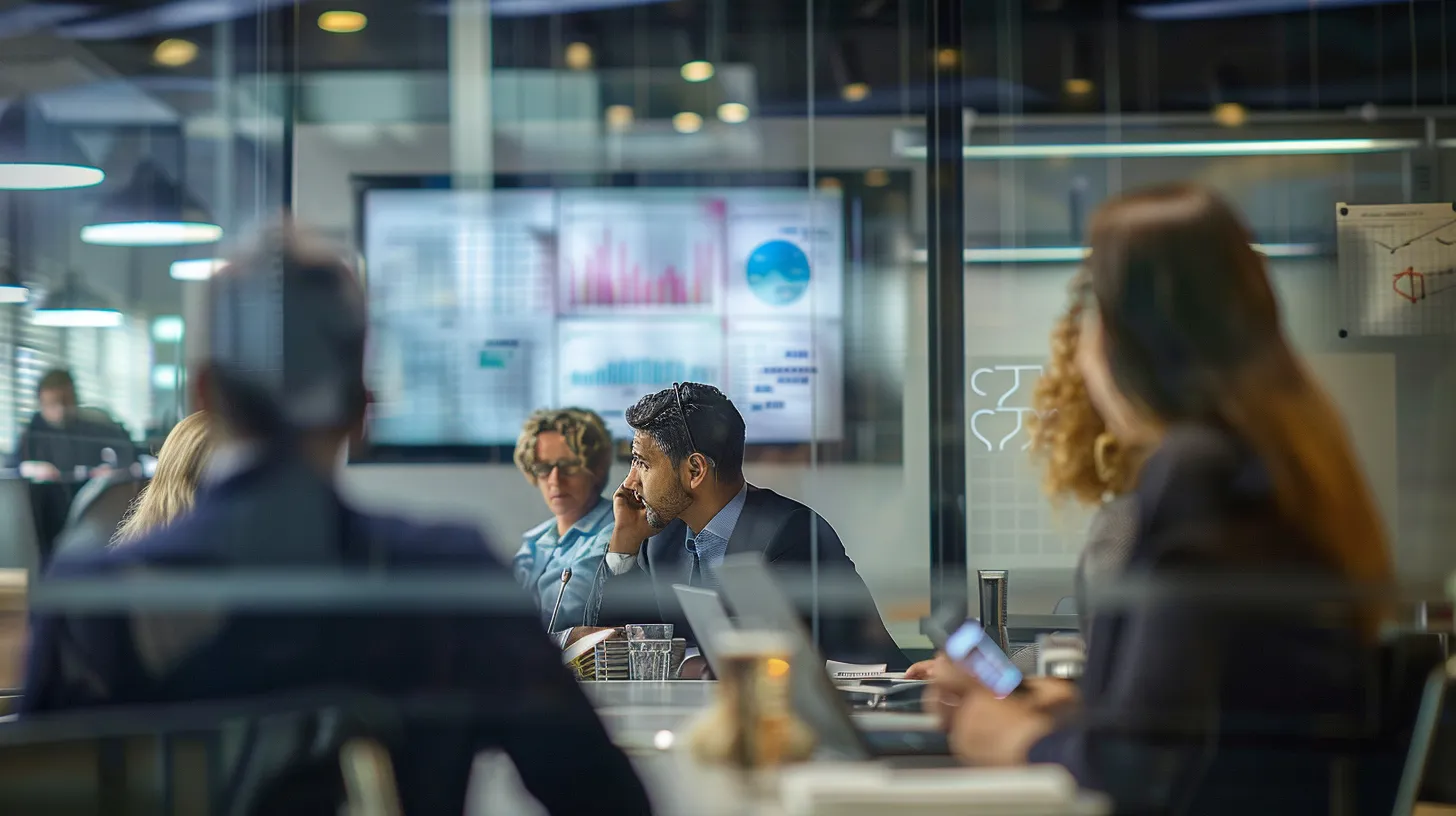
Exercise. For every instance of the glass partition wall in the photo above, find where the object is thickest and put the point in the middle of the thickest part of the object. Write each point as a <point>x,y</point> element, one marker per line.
<point>858,218</point>
<point>1291,111</point>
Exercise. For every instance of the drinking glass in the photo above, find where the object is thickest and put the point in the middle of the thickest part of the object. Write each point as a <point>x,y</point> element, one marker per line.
<point>649,651</point>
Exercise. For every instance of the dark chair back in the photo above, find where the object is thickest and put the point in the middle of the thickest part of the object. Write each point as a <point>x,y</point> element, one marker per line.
<point>1428,769</point>
<point>97,511</point>
<point>237,758</point>
<point>19,543</point>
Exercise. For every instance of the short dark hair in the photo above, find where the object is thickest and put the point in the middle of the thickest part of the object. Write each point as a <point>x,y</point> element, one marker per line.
<point>55,380</point>
<point>716,425</point>
<point>286,337</point>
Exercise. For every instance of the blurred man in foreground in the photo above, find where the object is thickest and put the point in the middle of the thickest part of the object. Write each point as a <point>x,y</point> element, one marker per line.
<point>284,383</point>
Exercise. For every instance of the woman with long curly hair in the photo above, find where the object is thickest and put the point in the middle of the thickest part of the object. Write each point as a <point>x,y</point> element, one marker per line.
<point>1081,459</point>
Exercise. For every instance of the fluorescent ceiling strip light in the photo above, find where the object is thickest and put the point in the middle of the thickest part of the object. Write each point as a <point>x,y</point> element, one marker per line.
<point>1073,254</point>
<point>1133,150</point>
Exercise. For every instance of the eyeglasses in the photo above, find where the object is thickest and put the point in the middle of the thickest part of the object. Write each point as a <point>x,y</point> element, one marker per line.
<point>568,467</point>
<point>677,395</point>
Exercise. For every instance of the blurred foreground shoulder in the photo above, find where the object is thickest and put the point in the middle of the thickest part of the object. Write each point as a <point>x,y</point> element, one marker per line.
<point>410,543</point>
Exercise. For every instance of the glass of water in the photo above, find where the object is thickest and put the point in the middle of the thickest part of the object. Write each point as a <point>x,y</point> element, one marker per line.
<point>649,651</point>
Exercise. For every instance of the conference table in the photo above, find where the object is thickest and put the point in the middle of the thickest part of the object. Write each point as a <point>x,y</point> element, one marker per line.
<point>650,721</point>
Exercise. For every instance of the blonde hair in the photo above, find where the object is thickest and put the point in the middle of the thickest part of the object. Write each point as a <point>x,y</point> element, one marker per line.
<point>1079,457</point>
<point>585,432</point>
<point>180,464</point>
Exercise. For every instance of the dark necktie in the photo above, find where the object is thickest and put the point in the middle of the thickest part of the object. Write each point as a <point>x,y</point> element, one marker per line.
<point>697,575</point>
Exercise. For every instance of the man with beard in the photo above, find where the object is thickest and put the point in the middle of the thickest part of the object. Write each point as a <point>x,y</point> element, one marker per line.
<point>685,506</point>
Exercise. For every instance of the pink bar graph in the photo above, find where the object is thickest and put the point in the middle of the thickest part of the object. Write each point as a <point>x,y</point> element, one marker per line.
<point>610,276</point>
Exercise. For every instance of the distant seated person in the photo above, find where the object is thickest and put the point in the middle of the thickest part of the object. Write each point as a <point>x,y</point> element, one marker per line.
<point>65,443</point>
<point>685,506</point>
<point>280,415</point>
<point>181,463</point>
<point>566,453</point>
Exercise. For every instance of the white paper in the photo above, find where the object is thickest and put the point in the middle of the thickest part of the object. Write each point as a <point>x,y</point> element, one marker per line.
<point>854,671</point>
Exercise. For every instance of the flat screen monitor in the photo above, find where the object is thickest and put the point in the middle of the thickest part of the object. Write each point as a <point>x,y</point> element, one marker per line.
<point>488,304</point>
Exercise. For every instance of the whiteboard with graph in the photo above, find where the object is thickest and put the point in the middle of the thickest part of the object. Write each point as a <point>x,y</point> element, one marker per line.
<point>1398,267</point>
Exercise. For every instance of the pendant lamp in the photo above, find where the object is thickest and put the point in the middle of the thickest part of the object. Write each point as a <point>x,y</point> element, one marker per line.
<point>11,289</point>
<point>74,304</point>
<point>151,210</point>
<point>35,155</point>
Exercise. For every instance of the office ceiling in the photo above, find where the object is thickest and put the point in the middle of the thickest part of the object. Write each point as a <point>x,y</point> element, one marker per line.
<point>1020,55</point>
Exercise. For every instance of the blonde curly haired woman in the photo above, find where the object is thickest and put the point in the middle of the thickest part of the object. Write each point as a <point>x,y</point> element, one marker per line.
<point>1080,459</point>
<point>565,453</point>
<point>180,465</point>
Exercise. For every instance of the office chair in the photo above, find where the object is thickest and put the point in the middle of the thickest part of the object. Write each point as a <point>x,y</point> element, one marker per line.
<point>1426,776</point>
<point>97,511</point>
<point>229,758</point>
<point>19,542</point>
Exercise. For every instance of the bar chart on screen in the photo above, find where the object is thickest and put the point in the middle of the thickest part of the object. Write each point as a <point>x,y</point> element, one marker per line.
<point>608,363</point>
<point>654,253</point>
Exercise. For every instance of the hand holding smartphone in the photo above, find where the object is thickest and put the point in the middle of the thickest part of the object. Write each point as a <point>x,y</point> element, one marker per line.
<point>969,648</point>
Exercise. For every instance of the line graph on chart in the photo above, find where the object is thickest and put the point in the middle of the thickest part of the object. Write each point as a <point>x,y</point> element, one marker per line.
<point>1396,263</point>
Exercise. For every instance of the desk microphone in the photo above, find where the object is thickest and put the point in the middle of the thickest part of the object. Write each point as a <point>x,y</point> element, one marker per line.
<point>565,579</point>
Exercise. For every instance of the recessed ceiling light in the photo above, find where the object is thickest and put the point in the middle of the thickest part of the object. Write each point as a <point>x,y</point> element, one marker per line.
<point>697,71</point>
<point>948,57</point>
<point>620,118</point>
<point>151,233</point>
<point>1230,114</point>
<point>855,92</point>
<point>174,53</point>
<point>687,122</point>
<point>342,21</point>
<point>733,113</point>
<point>578,56</point>
<point>1077,86</point>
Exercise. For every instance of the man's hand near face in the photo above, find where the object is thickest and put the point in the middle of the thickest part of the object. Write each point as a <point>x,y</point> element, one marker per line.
<point>632,527</point>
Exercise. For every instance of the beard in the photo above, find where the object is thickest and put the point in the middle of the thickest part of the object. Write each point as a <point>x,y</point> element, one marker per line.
<point>666,510</point>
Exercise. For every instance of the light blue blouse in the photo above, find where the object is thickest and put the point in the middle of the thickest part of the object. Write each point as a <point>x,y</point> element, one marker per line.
<point>544,554</point>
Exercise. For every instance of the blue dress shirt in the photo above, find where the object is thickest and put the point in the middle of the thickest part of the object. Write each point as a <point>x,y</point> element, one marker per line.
<point>544,554</point>
<point>711,542</point>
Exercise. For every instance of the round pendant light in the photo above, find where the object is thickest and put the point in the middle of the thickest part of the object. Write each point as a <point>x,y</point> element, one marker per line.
<point>11,289</point>
<point>73,305</point>
<point>35,155</point>
<point>151,210</point>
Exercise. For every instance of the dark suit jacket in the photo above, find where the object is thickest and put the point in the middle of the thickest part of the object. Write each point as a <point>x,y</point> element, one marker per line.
<point>1188,698</point>
<point>78,444</point>
<point>791,536</point>
<point>278,516</point>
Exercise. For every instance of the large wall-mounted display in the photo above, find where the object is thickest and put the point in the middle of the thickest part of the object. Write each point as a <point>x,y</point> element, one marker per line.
<point>487,304</point>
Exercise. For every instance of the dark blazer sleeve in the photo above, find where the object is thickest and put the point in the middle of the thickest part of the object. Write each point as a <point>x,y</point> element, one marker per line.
<point>535,710</point>
<point>850,629</point>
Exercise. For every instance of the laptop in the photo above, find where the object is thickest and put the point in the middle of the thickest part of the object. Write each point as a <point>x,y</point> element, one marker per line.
<point>761,604</point>
<point>707,618</point>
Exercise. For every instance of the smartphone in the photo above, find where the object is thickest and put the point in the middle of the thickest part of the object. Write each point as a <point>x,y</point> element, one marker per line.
<point>969,647</point>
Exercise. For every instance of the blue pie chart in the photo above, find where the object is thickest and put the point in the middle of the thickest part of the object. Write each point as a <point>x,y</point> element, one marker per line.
<point>778,272</point>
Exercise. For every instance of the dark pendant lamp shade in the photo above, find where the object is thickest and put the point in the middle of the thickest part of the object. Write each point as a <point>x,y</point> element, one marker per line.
<point>74,304</point>
<point>36,155</point>
<point>151,210</point>
<point>11,289</point>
